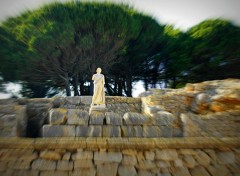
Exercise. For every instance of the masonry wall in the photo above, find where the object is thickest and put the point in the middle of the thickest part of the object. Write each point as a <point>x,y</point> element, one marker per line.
<point>120,157</point>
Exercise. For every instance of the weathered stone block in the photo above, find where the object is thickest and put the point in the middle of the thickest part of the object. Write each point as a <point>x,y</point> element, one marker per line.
<point>83,164</point>
<point>89,131</point>
<point>144,173</point>
<point>226,157</point>
<point>133,118</point>
<point>64,165</point>
<point>166,131</point>
<point>189,161</point>
<point>132,131</point>
<point>111,131</point>
<point>163,118</point>
<point>41,164</point>
<point>127,171</point>
<point>77,117</point>
<point>66,156</point>
<point>96,118</point>
<point>107,169</point>
<point>58,116</point>
<point>149,155</point>
<point>13,121</point>
<point>202,158</point>
<point>73,100</point>
<point>166,154</point>
<point>151,131</point>
<point>113,118</point>
<point>199,171</point>
<point>163,164</point>
<point>86,100</point>
<point>50,155</point>
<point>58,131</point>
<point>83,155</point>
<point>182,172</point>
<point>107,157</point>
<point>58,173</point>
<point>129,160</point>
<point>83,172</point>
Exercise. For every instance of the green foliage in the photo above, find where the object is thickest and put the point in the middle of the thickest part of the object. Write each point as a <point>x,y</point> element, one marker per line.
<point>60,45</point>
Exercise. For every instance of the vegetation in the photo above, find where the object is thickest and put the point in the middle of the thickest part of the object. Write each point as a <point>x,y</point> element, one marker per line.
<point>59,46</point>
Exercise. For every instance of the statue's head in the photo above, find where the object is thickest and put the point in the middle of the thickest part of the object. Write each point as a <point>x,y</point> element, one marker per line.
<point>99,70</point>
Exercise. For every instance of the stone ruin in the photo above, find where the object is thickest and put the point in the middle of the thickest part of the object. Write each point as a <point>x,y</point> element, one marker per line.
<point>190,131</point>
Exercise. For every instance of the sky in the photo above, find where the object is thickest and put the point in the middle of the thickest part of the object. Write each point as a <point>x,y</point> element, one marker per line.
<point>183,14</point>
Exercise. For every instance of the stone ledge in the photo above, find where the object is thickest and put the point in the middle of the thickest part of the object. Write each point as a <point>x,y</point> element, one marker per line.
<point>73,143</point>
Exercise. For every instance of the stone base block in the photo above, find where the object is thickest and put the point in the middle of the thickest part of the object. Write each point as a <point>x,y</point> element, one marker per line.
<point>89,131</point>
<point>132,131</point>
<point>111,131</point>
<point>58,131</point>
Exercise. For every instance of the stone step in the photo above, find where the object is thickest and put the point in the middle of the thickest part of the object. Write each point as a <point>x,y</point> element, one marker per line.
<point>65,122</point>
<point>105,131</point>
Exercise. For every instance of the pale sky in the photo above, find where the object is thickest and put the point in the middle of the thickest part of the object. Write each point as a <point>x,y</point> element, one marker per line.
<point>182,14</point>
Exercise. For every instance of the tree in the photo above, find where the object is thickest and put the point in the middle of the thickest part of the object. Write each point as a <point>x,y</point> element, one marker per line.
<point>216,50</point>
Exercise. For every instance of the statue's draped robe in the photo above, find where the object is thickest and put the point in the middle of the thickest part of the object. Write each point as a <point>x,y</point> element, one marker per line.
<point>98,93</point>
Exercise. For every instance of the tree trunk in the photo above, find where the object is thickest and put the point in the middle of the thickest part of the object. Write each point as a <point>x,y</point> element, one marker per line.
<point>129,86</point>
<point>67,86</point>
<point>81,85</point>
<point>120,87</point>
<point>75,86</point>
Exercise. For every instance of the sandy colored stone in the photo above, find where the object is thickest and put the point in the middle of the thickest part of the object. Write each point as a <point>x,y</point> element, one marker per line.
<point>202,158</point>
<point>133,118</point>
<point>83,155</point>
<point>113,118</point>
<point>199,171</point>
<point>66,156</point>
<point>189,161</point>
<point>129,152</point>
<point>77,117</point>
<point>83,172</point>
<point>96,118</point>
<point>151,131</point>
<point>163,164</point>
<point>166,154</point>
<point>182,172</point>
<point>145,173</point>
<point>50,155</point>
<point>52,173</point>
<point>178,163</point>
<point>41,164</point>
<point>218,170</point>
<point>127,171</point>
<point>129,160</point>
<point>132,131</point>
<point>107,169</point>
<point>20,165</point>
<point>58,116</point>
<point>64,165</point>
<point>111,131</point>
<point>89,131</point>
<point>149,155</point>
<point>86,163</point>
<point>58,131</point>
<point>226,157</point>
<point>108,157</point>
<point>146,165</point>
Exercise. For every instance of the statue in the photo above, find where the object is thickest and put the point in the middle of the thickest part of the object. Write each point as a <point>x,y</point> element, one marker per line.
<point>98,92</point>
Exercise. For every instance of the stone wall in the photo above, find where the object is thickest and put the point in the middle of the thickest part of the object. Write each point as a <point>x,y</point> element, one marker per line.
<point>120,157</point>
<point>210,108</point>
<point>13,120</point>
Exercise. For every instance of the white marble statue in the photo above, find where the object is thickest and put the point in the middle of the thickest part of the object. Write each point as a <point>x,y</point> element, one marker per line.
<point>98,93</point>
